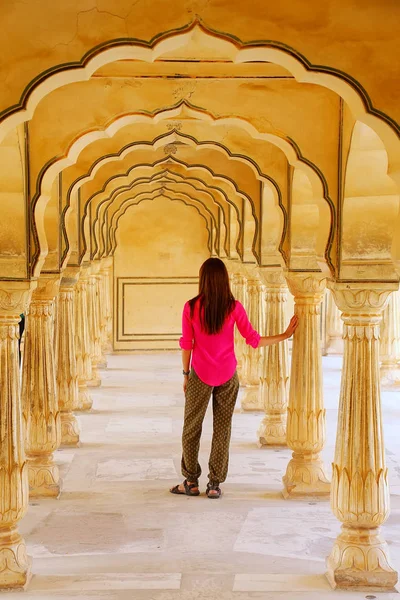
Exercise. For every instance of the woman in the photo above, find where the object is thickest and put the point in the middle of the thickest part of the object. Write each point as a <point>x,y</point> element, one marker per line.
<point>208,343</point>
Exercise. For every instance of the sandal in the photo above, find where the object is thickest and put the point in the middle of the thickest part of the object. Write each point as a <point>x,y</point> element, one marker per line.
<point>189,487</point>
<point>213,487</point>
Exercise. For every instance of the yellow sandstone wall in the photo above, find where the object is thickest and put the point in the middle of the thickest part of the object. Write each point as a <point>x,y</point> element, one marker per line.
<point>161,245</point>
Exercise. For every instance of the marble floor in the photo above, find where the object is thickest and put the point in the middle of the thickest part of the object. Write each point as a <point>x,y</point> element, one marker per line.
<point>117,534</point>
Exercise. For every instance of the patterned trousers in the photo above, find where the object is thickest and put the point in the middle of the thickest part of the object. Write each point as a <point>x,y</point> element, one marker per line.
<point>198,396</point>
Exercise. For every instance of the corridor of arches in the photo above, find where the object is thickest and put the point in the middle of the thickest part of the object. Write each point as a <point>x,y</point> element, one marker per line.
<point>136,141</point>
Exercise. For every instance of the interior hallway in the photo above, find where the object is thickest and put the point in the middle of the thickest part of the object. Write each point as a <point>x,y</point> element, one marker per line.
<point>117,534</point>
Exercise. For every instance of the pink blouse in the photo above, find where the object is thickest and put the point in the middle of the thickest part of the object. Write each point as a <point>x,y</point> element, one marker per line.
<point>213,357</point>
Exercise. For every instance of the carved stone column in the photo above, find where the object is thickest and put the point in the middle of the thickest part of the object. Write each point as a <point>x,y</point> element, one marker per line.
<point>82,342</point>
<point>39,392</point>
<point>106,322</point>
<point>93,328</point>
<point>252,358</point>
<point>274,372</point>
<point>14,487</point>
<point>240,344</point>
<point>95,311</point>
<point>360,492</point>
<point>102,361</point>
<point>305,474</point>
<point>390,342</point>
<point>334,327</point>
<point>67,374</point>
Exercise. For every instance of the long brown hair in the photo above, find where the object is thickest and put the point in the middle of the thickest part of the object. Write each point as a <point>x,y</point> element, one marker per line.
<point>215,296</point>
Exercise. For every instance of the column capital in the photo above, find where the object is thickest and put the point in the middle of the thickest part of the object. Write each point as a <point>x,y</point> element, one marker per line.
<point>106,264</point>
<point>70,277</point>
<point>306,284</point>
<point>362,298</point>
<point>84,272</point>
<point>95,267</point>
<point>15,297</point>
<point>273,277</point>
<point>232,265</point>
<point>48,285</point>
<point>251,271</point>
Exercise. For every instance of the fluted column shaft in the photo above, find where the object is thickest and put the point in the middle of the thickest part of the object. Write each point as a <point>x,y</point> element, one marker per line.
<point>237,291</point>
<point>274,373</point>
<point>82,342</point>
<point>14,487</point>
<point>94,328</point>
<point>67,374</point>
<point>240,344</point>
<point>106,323</point>
<point>334,326</point>
<point>252,357</point>
<point>390,342</point>
<point>305,474</point>
<point>360,492</point>
<point>39,392</point>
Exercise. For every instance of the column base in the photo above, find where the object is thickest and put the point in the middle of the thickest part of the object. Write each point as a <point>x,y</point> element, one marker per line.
<point>251,399</point>
<point>101,363</point>
<point>305,476</point>
<point>15,564</point>
<point>44,477</point>
<point>272,431</point>
<point>84,399</point>
<point>69,429</point>
<point>95,381</point>
<point>360,560</point>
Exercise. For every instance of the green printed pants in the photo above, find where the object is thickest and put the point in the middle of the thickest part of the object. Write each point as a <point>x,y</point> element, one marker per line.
<point>197,398</point>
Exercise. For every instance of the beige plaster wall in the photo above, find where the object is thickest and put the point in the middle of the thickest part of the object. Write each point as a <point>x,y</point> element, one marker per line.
<point>161,246</point>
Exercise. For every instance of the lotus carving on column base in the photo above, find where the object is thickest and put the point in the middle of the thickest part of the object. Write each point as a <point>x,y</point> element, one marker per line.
<point>85,401</point>
<point>363,500</point>
<point>251,399</point>
<point>69,430</point>
<point>44,478</point>
<point>272,431</point>
<point>360,559</point>
<point>308,426</point>
<point>14,494</point>
<point>15,564</point>
<point>305,476</point>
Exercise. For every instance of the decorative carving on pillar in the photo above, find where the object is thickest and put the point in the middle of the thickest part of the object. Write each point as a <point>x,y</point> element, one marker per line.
<point>93,328</point>
<point>106,322</point>
<point>305,474</point>
<point>14,487</point>
<point>67,375</point>
<point>334,326</point>
<point>82,342</point>
<point>39,392</point>
<point>238,285</point>
<point>360,492</point>
<point>99,295</point>
<point>252,358</point>
<point>390,342</point>
<point>274,372</point>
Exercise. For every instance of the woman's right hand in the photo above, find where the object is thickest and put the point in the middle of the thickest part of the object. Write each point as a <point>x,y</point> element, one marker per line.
<point>294,321</point>
<point>185,382</point>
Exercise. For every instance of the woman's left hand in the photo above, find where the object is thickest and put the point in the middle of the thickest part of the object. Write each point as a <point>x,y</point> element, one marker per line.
<point>185,382</point>
<point>294,321</point>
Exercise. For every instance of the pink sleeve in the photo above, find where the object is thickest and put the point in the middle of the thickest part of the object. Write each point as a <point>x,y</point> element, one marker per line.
<point>186,341</point>
<point>245,327</point>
